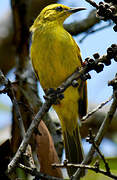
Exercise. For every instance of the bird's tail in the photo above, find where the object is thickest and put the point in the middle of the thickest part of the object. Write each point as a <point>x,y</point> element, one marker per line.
<point>73,149</point>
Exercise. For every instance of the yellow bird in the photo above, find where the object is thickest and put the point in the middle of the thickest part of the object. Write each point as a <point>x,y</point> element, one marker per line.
<point>55,56</point>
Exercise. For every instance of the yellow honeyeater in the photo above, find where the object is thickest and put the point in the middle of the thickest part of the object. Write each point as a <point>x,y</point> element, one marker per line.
<point>55,56</point>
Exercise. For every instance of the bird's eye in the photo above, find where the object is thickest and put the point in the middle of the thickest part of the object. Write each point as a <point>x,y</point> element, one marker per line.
<point>59,8</point>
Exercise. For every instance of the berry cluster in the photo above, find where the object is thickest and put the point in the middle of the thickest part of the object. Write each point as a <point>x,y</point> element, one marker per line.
<point>92,65</point>
<point>111,1</point>
<point>97,64</point>
<point>108,11</point>
<point>112,52</point>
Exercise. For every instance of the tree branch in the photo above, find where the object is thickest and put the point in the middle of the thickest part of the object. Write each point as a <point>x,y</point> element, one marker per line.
<point>106,11</point>
<point>84,25</point>
<point>45,107</point>
<point>91,140</point>
<point>37,174</point>
<point>51,98</point>
<point>92,3</point>
<point>87,33</point>
<point>82,166</point>
<point>96,109</point>
<point>10,92</point>
<point>103,129</point>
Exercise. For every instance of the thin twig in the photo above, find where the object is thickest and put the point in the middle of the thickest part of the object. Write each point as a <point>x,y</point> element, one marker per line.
<point>91,140</point>
<point>45,107</point>
<point>84,25</point>
<point>48,103</point>
<point>102,157</point>
<point>28,152</point>
<point>106,11</point>
<point>92,3</point>
<point>37,174</point>
<point>82,166</point>
<point>17,110</point>
<point>94,30</point>
<point>103,129</point>
<point>3,80</point>
<point>96,109</point>
<point>10,92</point>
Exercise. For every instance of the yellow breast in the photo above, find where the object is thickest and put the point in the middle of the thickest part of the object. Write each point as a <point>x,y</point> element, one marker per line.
<point>54,56</point>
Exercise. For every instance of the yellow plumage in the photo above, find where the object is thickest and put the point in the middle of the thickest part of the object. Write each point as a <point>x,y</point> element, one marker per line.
<point>55,56</point>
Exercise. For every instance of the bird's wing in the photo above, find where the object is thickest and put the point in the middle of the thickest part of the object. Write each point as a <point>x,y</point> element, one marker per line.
<point>82,89</point>
<point>35,70</point>
<point>82,101</point>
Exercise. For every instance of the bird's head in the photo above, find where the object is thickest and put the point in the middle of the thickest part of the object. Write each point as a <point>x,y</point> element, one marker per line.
<point>55,12</point>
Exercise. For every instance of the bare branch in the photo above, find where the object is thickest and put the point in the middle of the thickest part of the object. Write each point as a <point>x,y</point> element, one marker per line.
<point>45,107</point>
<point>84,25</point>
<point>3,80</point>
<point>91,140</point>
<point>51,98</point>
<point>38,175</point>
<point>10,92</point>
<point>17,110</point>
<point>82,166</point>
<point>87,33</point>
<point>96,109</point>
<point>106,11</point>
<point>92,3</point>
<point>103,129</point>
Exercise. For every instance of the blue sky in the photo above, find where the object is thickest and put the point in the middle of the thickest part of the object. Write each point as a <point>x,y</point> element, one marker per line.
<point>4,6</point>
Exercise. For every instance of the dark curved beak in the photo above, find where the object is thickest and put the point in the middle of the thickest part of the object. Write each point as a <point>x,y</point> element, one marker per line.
<point>74,10</point>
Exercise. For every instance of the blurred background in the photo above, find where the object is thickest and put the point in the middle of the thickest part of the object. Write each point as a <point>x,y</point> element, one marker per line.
<point>98,90</point>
